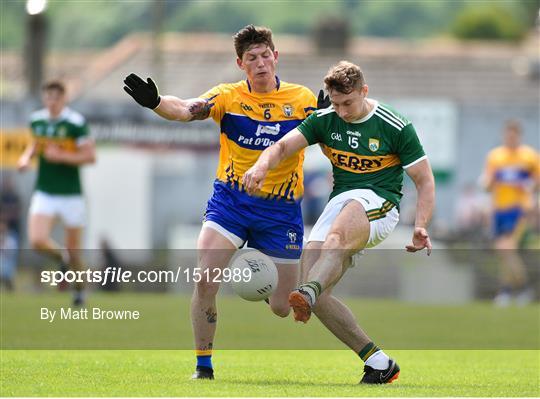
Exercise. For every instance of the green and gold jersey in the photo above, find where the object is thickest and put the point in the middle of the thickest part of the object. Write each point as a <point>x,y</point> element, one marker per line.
<point>66,131</point>
<point>369,153</point>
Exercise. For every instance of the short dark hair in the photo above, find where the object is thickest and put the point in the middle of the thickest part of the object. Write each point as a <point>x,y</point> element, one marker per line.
<point>344,77</point>
<point>54,85</point>
<point>250,35</point>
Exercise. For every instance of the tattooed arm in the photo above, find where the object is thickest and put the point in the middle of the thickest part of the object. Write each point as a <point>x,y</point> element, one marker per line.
<point>176,109</point>
<point>169,107</point>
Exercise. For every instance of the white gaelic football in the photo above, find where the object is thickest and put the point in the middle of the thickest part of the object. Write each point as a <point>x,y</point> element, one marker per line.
<point>259,276</point>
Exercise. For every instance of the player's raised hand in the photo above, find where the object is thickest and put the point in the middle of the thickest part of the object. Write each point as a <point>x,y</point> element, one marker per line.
<point>322,100</point>
<point>145,93</point>
<point>254,177</point>
<point>420,241</point>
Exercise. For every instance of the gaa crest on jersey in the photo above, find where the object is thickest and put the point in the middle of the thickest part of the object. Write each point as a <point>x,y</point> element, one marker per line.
<point>292,236</point>
<point>373,144</point>
<point>62,131</point>
<point>288,110</point>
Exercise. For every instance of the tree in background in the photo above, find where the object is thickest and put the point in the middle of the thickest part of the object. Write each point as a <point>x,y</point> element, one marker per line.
<point>488,23</point>
<point>87,24</point>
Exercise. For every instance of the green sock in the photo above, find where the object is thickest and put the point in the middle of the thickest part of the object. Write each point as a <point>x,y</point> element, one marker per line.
<point>368,350</point>
<point>313,289</point>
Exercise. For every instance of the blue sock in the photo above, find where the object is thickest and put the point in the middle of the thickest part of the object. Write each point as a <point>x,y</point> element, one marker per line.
<point>204,361</point>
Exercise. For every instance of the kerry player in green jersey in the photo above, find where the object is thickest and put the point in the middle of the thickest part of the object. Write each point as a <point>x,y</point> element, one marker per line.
<point>60,140</point>
<point>369,145</point>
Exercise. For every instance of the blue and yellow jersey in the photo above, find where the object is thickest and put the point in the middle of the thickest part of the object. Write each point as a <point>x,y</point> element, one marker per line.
<point>250,122</point>
<point>514,173</point>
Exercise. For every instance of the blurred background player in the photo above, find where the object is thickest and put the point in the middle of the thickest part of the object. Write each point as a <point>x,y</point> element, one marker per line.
<point>10,205</point>
<point>8,256</point>
<point>61,141</point>
<point>253,114</point>
<point>512,175</point>
<point>472,215</point>
<point>369,145</point>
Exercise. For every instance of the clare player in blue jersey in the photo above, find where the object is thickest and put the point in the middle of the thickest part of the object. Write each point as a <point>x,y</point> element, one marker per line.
<point>252,114</point>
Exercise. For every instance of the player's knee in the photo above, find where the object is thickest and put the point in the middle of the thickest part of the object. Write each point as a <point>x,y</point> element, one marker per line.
<point>280,309</point>
<point>334,240</point>
<point>206,288</point>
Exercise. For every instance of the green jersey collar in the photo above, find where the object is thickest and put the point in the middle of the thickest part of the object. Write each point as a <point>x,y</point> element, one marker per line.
<point>63,114</point>
<point>365,118</point>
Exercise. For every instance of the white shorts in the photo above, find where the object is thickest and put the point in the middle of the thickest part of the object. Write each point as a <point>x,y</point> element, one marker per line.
<point>383,216</point>
<point>70,208</point>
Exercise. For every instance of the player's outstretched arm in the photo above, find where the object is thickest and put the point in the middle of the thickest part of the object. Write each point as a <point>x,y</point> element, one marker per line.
<point>422,177</point>
<point>24,161</point>
<point>270,158</point>
<point>176,109</point>
<point>169,107</point>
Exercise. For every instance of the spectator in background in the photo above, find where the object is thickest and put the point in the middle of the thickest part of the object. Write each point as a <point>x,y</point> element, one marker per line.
<point>110,259</point>
<point>10,205</point>
<point>318,186</point>
<point>9,230</point>
<point>512,175</point>
<point>471,213</point>
<point>8,255</point>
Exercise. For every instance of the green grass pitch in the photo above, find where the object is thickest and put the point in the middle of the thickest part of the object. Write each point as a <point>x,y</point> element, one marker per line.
<point>419,337</point>
<point>266,373</point>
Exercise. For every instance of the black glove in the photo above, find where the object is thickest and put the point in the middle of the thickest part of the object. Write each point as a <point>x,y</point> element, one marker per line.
<point>145,93</point>
<point>322,101</point>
